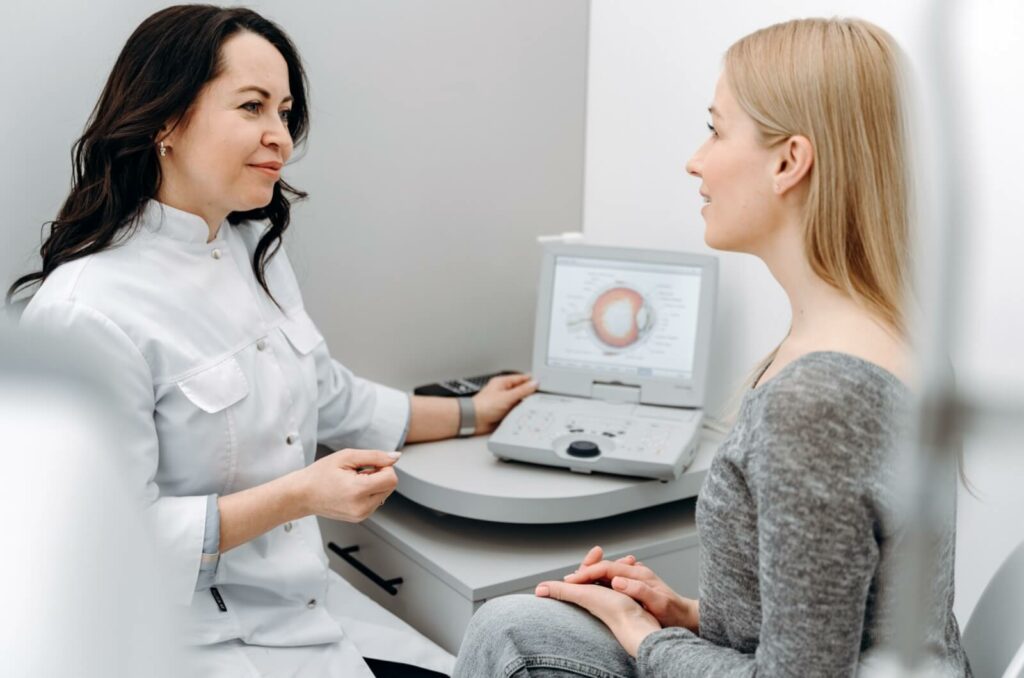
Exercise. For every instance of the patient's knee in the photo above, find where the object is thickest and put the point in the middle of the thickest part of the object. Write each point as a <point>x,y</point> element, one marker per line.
<point>506,630</point>
<point>505,614</point>
<point>525,622</point>
<point>490,643</point>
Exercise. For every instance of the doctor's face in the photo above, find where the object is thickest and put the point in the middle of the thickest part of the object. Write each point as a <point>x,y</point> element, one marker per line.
<point>227,154</point>
<point>736,171</point>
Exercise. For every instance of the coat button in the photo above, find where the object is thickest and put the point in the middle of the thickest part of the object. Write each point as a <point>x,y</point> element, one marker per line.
<point>290,439</point>
<point>288,527</point>
<point>261,345</point>
<point>215,254</point>
<point>311,604</point>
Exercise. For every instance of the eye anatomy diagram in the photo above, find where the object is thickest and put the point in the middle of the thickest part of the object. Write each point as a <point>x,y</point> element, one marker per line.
<point>638,319</point>
<point>620,318</point>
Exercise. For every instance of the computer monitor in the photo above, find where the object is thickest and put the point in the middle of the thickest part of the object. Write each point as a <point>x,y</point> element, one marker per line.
<point>623,318</point>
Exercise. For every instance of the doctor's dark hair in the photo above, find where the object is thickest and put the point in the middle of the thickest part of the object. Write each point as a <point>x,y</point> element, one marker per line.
<point>157,77</point>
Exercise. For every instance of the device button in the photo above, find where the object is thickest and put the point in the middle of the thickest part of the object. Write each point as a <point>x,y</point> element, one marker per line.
<point>584,449</point>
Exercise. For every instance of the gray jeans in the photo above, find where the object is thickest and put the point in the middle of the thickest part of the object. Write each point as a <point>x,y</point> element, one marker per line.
<point>519,636</point>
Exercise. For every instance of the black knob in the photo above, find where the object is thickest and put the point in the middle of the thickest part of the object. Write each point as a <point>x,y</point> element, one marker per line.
<point>583,448</point>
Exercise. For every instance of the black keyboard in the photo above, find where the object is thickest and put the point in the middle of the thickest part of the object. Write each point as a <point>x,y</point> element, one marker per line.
<point>464,386</point>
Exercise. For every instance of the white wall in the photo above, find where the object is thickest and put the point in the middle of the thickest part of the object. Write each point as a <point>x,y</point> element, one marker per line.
<point>54,59</point>
<point>446,136</point>
<point>653,66</point>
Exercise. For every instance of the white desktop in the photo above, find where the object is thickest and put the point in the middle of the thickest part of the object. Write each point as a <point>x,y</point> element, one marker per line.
<point>621,347</point>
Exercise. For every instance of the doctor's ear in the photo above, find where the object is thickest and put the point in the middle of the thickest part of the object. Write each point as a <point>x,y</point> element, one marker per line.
<point>168,134</point>
<point>163,142</point>
<point>794,161</point>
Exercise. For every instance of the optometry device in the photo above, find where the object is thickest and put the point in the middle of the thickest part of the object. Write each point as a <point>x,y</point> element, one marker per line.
<point>621,347</point>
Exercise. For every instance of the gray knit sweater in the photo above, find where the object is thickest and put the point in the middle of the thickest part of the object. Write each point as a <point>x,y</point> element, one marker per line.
<point>796,531</point>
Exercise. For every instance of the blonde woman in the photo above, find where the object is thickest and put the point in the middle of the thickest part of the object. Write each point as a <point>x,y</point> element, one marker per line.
<point>804,168</point>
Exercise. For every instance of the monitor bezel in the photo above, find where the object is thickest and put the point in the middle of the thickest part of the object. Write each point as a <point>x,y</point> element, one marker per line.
<point>670,391</point>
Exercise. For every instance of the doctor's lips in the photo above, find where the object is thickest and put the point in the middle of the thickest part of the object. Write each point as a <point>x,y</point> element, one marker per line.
<point>272,168</point>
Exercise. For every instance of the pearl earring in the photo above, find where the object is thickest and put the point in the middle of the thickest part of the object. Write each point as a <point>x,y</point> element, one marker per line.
<point>163,152</point>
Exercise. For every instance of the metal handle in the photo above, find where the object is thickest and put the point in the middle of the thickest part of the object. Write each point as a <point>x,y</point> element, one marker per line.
<point>388,585</point>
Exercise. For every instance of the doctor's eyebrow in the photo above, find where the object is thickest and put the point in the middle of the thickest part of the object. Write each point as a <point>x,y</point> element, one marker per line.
<point>714,111</point>
<point>262,92</point>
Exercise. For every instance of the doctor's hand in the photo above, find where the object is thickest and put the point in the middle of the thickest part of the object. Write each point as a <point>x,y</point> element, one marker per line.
<point>628,621</point>
<point>631,577</point>
<point>499,396</point>
<point>348,485</point>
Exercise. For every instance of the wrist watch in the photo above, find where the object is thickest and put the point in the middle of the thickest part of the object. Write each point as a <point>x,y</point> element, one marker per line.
<point>467,417</point>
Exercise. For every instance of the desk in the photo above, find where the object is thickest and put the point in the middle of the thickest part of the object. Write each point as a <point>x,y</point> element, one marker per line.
<point>450,565</point>
<point>462,478</point>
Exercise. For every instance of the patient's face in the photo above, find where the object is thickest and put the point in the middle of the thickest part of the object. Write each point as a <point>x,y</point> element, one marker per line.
<point>735,169</point>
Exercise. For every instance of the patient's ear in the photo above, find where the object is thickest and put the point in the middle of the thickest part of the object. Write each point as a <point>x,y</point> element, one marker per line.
<point>795,157</point>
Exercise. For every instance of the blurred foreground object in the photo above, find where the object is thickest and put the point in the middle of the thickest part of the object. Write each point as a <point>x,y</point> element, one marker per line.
<point>80,592</point>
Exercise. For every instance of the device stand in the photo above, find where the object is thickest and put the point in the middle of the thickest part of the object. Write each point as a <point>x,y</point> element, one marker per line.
<point>462,478</point>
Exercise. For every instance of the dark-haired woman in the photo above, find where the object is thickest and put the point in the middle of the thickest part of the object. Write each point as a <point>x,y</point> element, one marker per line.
<point>166,258</point>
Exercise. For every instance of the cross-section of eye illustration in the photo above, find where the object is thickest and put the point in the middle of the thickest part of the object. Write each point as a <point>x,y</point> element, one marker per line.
<point>620,317</point>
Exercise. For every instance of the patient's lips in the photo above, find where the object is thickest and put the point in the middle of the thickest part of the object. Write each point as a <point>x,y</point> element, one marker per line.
<point>619,316</point>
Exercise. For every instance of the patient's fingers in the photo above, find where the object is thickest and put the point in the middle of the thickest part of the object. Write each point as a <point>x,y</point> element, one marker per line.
<point>640,592</point>
<point>594,555</point>
<point>605,570</point>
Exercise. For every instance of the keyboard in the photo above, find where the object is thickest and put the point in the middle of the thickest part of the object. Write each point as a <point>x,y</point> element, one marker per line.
<point>461,387</point>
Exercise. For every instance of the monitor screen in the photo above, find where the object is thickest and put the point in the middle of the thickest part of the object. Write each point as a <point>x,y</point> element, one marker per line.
<point>625,318</point>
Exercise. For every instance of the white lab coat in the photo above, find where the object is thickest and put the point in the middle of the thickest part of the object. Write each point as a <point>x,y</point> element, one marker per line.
<point>219,391</point>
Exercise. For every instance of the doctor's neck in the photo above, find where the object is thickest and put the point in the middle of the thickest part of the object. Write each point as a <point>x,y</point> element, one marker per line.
<point>213,215</point>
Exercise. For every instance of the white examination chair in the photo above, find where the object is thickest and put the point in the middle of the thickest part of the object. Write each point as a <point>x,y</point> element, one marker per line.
<point>994,635</point>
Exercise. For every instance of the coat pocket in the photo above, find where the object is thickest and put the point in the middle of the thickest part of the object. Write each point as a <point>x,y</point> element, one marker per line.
<point>301,332</point>
<point>216,388</point>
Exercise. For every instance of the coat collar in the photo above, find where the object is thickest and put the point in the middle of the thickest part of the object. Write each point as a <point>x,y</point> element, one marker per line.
<point>177,224</point>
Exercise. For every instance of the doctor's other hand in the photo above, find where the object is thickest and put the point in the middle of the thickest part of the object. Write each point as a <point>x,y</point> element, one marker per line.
<point>641,584</point>
<point>499,396</point>
<point>348,485</point>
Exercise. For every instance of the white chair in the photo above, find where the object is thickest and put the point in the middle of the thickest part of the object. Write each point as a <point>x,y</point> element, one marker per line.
<point>994,636</point>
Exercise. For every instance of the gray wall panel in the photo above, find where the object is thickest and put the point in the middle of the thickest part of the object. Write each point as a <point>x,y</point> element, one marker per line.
<point>446,136</point>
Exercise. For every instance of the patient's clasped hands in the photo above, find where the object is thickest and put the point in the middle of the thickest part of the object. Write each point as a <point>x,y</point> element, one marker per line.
<point>637,603</point>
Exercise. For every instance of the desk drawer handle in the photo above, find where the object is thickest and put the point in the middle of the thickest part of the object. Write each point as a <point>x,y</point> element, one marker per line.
<point>388,585</point>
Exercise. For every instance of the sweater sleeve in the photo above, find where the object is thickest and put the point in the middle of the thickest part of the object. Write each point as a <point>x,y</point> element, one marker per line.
<point>817,547</point>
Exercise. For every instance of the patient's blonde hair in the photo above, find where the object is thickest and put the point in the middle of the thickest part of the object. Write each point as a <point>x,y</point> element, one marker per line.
<point>838,82</point>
